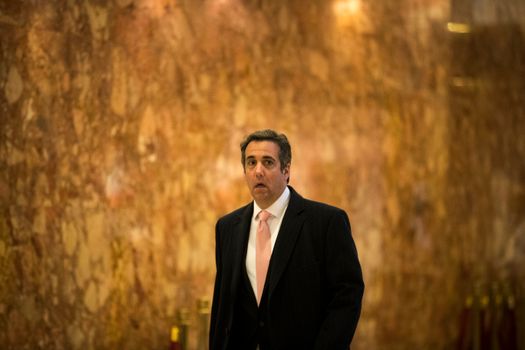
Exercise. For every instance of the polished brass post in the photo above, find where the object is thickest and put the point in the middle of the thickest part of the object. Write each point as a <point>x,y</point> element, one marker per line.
<point>184,325</point>
<point>203,311</point>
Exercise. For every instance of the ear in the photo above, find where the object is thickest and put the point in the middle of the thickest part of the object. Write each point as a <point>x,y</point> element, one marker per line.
<point>286,170</point>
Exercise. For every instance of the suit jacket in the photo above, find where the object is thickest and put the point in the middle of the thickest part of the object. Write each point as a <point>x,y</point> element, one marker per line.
<point>314,286</point>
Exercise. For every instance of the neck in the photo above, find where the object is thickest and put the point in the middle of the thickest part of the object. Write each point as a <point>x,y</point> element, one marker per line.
<point>266,204</point>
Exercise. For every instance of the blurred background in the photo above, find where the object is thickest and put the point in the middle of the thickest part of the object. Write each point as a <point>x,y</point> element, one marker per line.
<point>120,124</point>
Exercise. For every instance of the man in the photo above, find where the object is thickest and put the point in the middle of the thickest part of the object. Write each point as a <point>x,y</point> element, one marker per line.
<point>288,275</point>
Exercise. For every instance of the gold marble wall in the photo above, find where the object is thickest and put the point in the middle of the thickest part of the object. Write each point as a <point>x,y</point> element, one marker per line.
<point>119,130</point>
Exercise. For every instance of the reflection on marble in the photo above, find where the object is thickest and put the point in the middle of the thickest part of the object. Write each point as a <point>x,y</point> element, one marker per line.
<point>119,130</point>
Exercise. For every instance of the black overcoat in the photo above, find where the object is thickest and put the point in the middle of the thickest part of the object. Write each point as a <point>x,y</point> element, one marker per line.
<point>314,286</point>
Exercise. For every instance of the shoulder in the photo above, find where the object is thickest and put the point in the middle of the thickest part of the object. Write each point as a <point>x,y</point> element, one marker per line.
<point>233,216</point>
<point>322,209</point>
<point>314,209</point>
<point>320,206</point>
<point>296,200</point>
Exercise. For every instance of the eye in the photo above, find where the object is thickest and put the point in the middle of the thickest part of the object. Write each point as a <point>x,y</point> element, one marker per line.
<point>250,163</point>
<point>268,163</point>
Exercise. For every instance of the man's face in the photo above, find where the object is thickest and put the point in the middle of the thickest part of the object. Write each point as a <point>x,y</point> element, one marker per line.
<point>262,170</point>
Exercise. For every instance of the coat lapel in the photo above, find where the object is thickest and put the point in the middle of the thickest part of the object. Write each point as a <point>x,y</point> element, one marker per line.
<point>239,243</point>
<point>288,233</point>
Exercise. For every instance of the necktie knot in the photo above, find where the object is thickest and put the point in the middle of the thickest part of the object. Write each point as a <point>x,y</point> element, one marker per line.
<point>264,215</point>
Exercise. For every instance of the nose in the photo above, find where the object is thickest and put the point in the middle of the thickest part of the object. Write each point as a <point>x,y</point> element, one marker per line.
<point>259,169</point>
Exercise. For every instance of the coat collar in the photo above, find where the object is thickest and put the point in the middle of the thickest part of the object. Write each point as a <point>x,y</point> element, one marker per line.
<point>288,234</point>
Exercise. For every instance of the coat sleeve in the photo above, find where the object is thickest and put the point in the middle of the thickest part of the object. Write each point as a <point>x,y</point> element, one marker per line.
<point>216,290</point>
<point>344,286</point>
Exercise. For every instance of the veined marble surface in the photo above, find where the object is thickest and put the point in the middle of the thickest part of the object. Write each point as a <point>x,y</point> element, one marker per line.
<point>120,124</point>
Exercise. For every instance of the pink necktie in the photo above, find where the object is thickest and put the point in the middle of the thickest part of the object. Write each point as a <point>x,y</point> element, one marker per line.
<point>263,251</point>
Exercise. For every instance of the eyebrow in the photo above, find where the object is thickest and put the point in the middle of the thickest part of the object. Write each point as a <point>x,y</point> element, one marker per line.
<point>263,157</point>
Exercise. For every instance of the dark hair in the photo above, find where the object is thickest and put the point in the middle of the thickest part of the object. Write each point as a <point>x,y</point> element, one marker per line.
<point>285,150</point>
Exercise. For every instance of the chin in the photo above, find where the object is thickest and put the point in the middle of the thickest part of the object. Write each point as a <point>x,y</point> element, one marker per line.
<point>260,198</point>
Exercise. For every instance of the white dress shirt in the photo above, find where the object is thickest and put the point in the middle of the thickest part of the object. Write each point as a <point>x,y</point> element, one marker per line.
<point>277,210</point>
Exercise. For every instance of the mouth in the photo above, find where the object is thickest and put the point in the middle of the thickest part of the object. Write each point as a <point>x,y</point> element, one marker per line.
<point>259,186</point>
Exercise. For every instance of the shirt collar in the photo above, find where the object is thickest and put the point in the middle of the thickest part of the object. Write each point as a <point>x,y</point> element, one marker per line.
<point>277,208</point>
